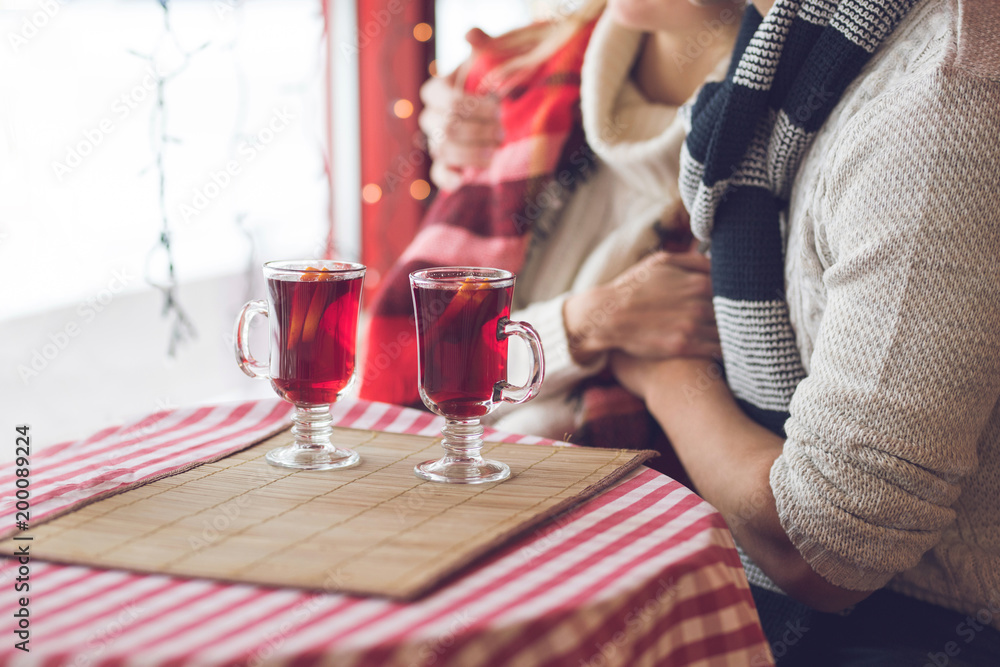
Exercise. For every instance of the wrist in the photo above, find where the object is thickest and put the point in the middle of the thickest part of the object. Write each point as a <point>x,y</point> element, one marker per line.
<point>687,387</point>
<point>586,318</point>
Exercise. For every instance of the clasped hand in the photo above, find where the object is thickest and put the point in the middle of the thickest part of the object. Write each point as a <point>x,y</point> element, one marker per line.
<point>657,309</point>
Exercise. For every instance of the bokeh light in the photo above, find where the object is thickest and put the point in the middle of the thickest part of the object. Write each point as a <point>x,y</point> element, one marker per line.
<point>420,189</point>
<point>371,193</point>
<point>422,32</point>
<point>402,108</point>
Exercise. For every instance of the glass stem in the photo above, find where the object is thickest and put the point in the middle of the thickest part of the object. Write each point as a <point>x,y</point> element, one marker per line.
<point>463,440</point>
<point>312,427</point>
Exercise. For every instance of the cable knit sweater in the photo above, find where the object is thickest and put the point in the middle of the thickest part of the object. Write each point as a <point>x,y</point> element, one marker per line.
<point>891,470</point>
<point>605,227</point>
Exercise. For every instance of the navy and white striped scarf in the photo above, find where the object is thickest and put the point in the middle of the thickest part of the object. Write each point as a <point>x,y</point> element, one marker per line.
<point>747,136</point>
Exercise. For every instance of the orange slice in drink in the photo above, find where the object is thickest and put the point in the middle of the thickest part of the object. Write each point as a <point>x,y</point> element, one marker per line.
<point>316,308</point>
<point>304,317</point>
<point>470,293</point>
<point>312,274</point>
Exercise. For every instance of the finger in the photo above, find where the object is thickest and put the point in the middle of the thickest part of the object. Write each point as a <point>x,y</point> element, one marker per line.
<point>475,107</point>
<point>704,349</point>
<point>700,341</point>
<point>707,333</point>
<point>699,286</point>
<point>671,338</point>
<point>478,39</point>
<point>445,177</point>
<point>443,100</point>
<point>433,122</point>
<point>440,130</point>
<point>439,93</point>
<point>664,280</point>
<point>474,132</point>
<point>686,346</point>
<point>457,155</point>
<point>690,261</point>
<point>704,312</point>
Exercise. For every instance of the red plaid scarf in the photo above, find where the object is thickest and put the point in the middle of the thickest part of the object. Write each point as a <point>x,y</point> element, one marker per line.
<point>489,220</point>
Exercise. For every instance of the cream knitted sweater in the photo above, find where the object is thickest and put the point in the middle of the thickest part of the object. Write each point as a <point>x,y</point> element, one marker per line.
<point>891,470</point>
<point>605,227</point>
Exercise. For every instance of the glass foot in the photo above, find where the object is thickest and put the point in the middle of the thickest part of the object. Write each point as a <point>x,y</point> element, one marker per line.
<point>310,458</point>
<point>312,427</point>
<point>453,471</point>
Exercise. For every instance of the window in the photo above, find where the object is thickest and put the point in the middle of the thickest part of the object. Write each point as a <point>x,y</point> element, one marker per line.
<point>80,218</point>
<point>243,148</point>
<point>80,139</point>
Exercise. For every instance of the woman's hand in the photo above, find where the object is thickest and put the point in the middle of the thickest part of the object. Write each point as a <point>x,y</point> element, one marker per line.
<point>658,309</point>
<point>462,130</point>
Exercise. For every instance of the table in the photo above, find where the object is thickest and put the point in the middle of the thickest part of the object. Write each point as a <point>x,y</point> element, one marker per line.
<point>644,574</point>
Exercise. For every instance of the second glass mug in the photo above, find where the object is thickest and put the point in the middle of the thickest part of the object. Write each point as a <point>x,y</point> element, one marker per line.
<point>463,323</point>
<point>312,310</point>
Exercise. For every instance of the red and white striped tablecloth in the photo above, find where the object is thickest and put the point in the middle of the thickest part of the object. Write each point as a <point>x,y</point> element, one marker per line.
<point>644,574</point>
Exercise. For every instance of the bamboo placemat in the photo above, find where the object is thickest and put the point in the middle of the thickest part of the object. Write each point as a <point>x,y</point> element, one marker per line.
<point>371,530</point>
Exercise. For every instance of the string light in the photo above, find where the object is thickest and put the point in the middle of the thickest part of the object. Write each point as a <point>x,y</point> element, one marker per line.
<point>420,189</point>
<point>371,193</point>
<point>422,32</point>
<point>181,329</point>
<point>402,108</point>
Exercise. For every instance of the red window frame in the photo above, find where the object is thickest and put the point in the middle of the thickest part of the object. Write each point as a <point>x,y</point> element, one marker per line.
<point>392,65</point>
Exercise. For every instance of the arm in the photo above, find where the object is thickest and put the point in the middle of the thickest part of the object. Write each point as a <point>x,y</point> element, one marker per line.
<point>729,458</point>
<point>904,376</point>
<point>660,307</point>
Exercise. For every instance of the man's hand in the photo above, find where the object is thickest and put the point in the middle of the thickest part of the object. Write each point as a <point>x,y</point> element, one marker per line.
<point>658,309</point>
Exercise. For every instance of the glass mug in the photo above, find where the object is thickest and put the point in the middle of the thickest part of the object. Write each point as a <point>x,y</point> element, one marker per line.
<point>463,323</point>
<point>312,310</point>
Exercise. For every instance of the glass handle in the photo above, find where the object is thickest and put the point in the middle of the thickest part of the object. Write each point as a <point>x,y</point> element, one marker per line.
<point>512,393</point>
<point>241,338</point>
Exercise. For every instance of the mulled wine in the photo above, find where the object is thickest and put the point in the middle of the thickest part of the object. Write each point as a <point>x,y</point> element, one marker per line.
<point>312,308</point>
<point>317,315</point>
<point>462,354</point>
<point>463,323</point>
